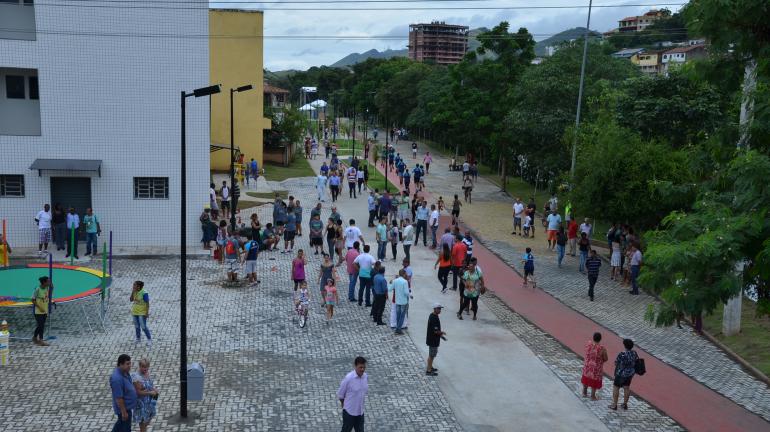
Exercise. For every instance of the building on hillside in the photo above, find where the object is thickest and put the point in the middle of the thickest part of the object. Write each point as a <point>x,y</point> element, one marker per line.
<point>681,55</point>
<point>649,62</point>
<point>275,97</point>
<point>641,22</point>
<point>627,53</point>
<point>235,40</point>
<point>438,42</point>
<point>89,117</point>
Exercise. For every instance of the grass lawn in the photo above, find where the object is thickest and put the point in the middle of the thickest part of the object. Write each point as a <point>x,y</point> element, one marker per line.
<point>752,343</point>
<point>299,168</point>
<point>377,180</point>
<point>269,195</point>
<point>243,205</point>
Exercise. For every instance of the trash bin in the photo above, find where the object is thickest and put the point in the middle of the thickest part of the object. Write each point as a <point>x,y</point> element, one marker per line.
<point>195,374</point>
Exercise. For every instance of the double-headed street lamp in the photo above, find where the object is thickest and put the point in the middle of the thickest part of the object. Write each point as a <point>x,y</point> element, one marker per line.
<point>233,199</point>
<point>203,91</point>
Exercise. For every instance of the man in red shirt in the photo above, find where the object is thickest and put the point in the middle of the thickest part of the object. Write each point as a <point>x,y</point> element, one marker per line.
<point>572,229</point>
<point>459,251</point>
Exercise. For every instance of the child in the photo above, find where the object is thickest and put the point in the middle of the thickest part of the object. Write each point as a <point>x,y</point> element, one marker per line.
<point>232,254</point>
<point>252,251</point>
<point>221,241</point>
<point>298,269</point>
<point>440,204</point>
<point>529,267</point>
<point>330,293</point>
<point>298,216</point>
<point>302,296</point>
<point>5,250</point>
<point>527,224</point>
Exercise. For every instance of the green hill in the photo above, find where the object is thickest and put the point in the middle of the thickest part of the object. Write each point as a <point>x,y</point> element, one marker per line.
<point>566,35</point>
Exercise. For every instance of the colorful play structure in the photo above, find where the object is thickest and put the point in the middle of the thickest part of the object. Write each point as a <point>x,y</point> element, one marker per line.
<point>70,283</point>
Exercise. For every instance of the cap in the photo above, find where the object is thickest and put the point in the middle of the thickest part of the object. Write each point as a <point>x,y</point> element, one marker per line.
<point>43,279</point>
<point>437,306</point>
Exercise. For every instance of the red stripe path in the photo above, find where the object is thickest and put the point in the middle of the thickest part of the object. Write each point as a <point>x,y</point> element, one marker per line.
<point>693,405</point>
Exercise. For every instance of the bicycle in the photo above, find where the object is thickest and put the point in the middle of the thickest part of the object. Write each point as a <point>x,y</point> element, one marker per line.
<point>302,313</point>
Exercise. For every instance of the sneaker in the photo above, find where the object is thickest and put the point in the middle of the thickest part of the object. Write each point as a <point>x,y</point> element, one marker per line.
<point>431,373</point>
<point>149,344</point>
<point>443,290</point>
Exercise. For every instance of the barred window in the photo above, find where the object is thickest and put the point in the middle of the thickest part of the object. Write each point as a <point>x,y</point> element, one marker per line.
<point>11,185</point>
<point>150,187</point>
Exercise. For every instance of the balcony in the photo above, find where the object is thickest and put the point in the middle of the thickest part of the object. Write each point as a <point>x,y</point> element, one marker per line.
<point>18,16</point>
<point>19,102</point>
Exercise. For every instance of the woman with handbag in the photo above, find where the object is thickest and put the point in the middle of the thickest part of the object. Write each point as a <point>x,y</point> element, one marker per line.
<point>473,279</point>
<point>625,369</point>
<point>147,395</point>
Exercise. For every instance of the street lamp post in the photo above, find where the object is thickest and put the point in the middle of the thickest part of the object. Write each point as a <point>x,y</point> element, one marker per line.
<point>232,153</point>
<point>354,130</point>
<point>204,91</point>
<point>387,153</point>
<point>580,94</point>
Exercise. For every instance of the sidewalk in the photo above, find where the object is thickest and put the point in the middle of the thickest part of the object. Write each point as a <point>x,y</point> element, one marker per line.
<point>671,351</point>
<point>492,380</point>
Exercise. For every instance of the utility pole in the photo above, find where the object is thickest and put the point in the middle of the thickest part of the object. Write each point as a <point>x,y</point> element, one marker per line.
<point>580,93</point>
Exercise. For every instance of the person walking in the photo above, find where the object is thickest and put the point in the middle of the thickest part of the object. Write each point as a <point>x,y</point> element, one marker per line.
<point>147,396</point>
<point>124,397</point>
<point>636,263</point>
<point>456,204</point>
<point>459,252</point>
<point>93,230</point>
<point>529,268</point>
<point>352,175</point>
<point>401,291</point>
<point>331,236</point>
<point>593,366</point>
<point>316,233</point>
<point>73,224</point>
<point>572,229</point>
<point>59,222</point>
<point>433,222</point>
<point>334,185</point>
<point>593,263</point>
<point>625,369</point>
<point>561,244</point>
<point>43,220</point>
<point>444,264</point>
<point>326,272</point>
<point>140,312</point>
<point>352,396</point>
<point>298,269</point>
<point>380,291</point>
<point>447,239</point>
<point>473,281</point>
<point>427,160</point>
<point>433,338</point>
<point>554,222</point>
<point>422,215</point>
<point>353,234</point>
<point>381,234</point>
<point>360,176</point>
<point>320,184</point>
<point>331,298</point>
<point>408,237</point>
<point>40,300</point>
<point>371,204</point>
<point>584,245</point>
<point>364,264</point>
<point>350,258</point>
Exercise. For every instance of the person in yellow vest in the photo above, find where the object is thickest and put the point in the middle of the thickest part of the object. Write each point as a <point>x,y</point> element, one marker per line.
<point>40,301</point>
<point>5,251</point>
<point>140,310</point>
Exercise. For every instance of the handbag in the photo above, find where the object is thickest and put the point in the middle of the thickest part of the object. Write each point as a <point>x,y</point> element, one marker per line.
<point>639,367</point>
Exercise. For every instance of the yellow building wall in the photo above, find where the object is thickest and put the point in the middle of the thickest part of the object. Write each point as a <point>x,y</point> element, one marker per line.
<point>235,60</point>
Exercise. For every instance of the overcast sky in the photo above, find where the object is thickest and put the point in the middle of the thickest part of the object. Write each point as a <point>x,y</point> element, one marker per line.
<point>283,54</point>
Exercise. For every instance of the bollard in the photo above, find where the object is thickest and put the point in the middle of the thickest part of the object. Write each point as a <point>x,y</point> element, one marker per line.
<point>5,354</point>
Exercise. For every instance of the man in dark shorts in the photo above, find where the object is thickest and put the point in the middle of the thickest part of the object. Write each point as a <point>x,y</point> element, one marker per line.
<point>531,209</point>
<point>316,232</point>
<point>433,338</point>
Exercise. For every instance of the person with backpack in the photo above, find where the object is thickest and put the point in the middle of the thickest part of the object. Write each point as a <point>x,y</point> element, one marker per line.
<point>529,267</point>
<point>625,369</point>
<point>394,235</point>
<point>232,256</point>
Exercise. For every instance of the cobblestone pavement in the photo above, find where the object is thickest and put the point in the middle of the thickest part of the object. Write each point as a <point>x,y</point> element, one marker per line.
<point>262,371</point>
<point>490,218</point>
<point>566,365</point>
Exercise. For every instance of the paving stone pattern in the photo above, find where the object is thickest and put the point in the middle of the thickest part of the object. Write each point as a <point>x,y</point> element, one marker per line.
<point>566,365</point>
<point>262,371</point>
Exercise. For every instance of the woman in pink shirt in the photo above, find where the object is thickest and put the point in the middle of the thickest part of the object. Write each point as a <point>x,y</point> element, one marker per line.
<point>330,293</point>
<point>298,269</point>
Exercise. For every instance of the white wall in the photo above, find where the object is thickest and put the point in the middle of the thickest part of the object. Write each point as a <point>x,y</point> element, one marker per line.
<point>116,99</point>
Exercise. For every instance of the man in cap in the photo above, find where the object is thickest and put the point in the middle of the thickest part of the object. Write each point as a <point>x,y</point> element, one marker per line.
<point>433,338</point>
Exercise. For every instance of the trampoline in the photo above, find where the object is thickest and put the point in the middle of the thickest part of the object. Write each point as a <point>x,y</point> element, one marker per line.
<point>70,283</point>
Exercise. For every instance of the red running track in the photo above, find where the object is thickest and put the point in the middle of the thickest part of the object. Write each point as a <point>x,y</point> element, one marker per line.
<point>693,405</point>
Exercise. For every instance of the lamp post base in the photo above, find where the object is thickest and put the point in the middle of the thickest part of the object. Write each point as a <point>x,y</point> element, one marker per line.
<point>177,419</point>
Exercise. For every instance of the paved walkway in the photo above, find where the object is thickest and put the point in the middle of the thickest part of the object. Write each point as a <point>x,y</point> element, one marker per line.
<point>491,379</point>
<point>673,350</point>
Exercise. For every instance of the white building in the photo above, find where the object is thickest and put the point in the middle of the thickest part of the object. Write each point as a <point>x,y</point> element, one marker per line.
<point>681,55</point>
<point>90,116</point>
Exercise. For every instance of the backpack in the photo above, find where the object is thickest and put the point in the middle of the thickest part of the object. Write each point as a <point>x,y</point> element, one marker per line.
<point>639,367</point>
<point>395,235</point>
<point>230,248</point>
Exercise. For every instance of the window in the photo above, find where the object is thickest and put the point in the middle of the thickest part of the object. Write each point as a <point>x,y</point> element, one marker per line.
<point>14,86</point>
<point>11,185</point>
<point>33,91</point>
<point>150,187</point>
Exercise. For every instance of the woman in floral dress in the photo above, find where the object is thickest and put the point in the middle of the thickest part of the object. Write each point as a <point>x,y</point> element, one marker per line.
<point>595,356</point>
<point>147,395</point>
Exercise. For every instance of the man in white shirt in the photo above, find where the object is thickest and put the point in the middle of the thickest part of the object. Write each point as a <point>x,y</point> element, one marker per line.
<point>408,236</point>
<point>352,395</point>
<point>586,227</point>
<point>213,202</point>
<point>43,220</point>
<point>518,210</point>
<point>73,224</point>
<point>353,234</point>
<point>364,264</point>
<point>433,222</point>
<point>225,200</point>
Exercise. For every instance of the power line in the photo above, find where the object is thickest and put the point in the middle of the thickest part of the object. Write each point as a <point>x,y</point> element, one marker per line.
<point>337,8</point>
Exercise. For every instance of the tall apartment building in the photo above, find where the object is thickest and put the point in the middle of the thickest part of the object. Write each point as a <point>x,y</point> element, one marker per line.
<point>438,42</point>
<point>90,116</point>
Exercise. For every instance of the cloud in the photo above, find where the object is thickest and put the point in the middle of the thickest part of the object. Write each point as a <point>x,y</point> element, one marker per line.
<point>308,51</point>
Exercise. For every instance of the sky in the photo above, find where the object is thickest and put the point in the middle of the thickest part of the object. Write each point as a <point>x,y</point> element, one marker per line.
<point>313,32</point>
